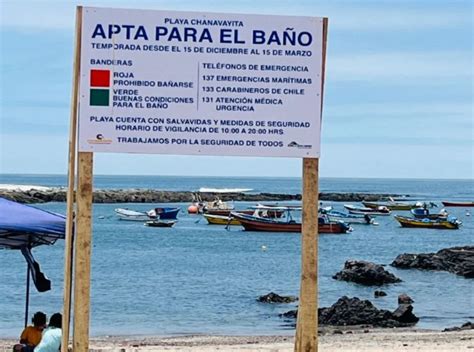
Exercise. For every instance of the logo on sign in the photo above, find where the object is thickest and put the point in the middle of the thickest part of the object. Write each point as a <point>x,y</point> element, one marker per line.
<point>99,139</point>
<point>299,146</point>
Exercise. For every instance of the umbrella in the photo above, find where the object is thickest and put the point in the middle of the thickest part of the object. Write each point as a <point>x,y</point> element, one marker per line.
<point>23,227</point>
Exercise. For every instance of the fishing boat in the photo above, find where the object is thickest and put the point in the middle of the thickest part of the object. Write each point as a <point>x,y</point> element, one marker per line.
<point>131,215</point>
<point>450,224</point>
<point>392,205</point>
<point>424,213</point>
<point>156,213</point>
<point>457,204</point>
<point>226,212</point>
<point>380,211</point>
<point>349,218</point>
<point>287,223</point>
<point>221,219</point>
<point>160,223</point>
<point>217,204</point>
<point>164,213</point>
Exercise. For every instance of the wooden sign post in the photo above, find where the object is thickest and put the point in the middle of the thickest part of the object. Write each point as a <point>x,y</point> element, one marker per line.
<point>70,206</point>
<point>306,339</point>
<point>166,105</point>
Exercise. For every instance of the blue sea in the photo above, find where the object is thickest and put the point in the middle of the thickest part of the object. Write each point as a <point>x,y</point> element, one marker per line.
<point>196,278</point>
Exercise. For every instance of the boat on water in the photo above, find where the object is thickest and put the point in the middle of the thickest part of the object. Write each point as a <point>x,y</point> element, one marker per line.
<point>457,204</point>
<point>287,223</point>
<point>221,219</point>
<point>392,205</point>
<point>131,215</point>
<point>161,223</point>
<point>449,224</point>
<point>217,204</point>
<point>349,218</point>
<point>164,213</point>
<point>424,213</point>
<point>155,213</point>
<point>379,211</point>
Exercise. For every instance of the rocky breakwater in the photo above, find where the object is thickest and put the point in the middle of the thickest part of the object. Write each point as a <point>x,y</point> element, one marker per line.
<point>365,273</point>
<point>157,196</point>
<point>457,260</point>
<point>354,311</point>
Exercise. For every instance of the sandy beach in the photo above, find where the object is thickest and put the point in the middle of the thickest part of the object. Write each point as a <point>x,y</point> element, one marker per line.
<point>354,341</point>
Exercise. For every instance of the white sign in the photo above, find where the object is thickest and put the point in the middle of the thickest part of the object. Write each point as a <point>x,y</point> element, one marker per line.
<point>192,83</point>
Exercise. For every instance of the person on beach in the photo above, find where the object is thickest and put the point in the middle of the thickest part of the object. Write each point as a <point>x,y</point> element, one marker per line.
<point>31,335</point>
<point>51,341</point>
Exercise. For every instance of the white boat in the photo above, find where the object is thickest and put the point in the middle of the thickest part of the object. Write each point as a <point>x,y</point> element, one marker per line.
<point>335,215</point>
<point>380,211</point>
<point>132,215</point>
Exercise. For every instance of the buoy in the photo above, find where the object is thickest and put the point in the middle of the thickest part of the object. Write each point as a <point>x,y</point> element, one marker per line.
<point>264,248</point>
<point>192,209</point>
<point>468,213</point>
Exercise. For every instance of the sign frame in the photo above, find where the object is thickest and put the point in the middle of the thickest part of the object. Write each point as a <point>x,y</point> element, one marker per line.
<point>79,216</point>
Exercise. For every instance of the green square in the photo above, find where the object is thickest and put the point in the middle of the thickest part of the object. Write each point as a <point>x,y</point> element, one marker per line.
<point>99,97</point>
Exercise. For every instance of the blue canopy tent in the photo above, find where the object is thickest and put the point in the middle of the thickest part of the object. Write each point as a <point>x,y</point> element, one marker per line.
<point>23,227</point>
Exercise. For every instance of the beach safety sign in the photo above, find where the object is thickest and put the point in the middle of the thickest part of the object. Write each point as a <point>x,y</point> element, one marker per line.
<point>190,83</point>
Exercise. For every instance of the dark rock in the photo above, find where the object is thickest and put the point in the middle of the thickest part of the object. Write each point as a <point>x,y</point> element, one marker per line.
<point>353,311</point>
<point>465,326</point>
<point>457,260</point>
<point>380,294</point>
<point>337,332</point>
<point>365,273</point>
<point>405,299</point>
<point>274,298</point>
<point>404,314</point>
<point>292,314</point>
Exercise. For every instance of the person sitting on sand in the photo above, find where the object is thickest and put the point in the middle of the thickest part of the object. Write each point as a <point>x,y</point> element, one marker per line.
<point>31,335</point>
<point>51,341</point>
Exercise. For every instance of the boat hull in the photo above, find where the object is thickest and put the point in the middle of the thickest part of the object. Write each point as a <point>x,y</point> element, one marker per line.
<point>363,219</point>
<point>427,224</point>
<point>458,204</point>
<point>251,223</point>
<point>391,206</point>
<point>221,220</point>
<point>160,223</point>
<point>131,215</point>
<point>366,211</point>
<point>167,213</point>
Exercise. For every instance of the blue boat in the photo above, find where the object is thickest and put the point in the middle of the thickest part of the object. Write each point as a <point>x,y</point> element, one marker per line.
<point>424,213</point>
<point>164,213</point>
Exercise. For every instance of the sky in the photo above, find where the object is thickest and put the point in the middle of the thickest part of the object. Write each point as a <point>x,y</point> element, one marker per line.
<point>398,97</point>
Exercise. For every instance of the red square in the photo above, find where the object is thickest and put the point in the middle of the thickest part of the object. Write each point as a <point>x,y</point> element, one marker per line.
<point>100,78</point>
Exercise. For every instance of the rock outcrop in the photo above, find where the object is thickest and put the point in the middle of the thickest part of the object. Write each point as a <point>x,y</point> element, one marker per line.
<point>157,196</point>
<point>353,311</point>
<point>457,260</point>
<point>405,299</point>
<point>465,326</point>
<point>275,298</point>
<point>365,273</point>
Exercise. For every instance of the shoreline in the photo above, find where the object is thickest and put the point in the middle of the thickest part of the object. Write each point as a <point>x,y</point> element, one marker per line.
<point>344,340</point>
